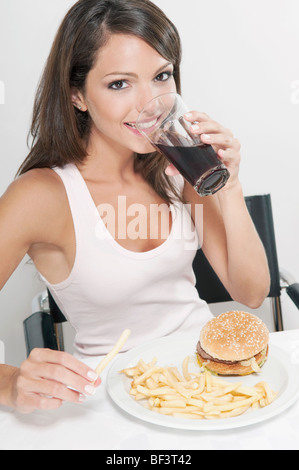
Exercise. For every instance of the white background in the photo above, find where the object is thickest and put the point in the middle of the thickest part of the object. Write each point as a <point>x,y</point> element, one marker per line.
<point>240,66</point>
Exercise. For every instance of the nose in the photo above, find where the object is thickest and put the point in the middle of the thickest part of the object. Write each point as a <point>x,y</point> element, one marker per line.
<point>145,94</point>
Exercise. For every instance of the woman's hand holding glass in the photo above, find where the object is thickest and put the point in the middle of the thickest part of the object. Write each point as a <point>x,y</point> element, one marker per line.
<point>222,140</point>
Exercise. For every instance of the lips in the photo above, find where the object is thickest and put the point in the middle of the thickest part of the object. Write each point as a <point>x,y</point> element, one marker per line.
<point>145,126</point>
<point>131,124</point>
<point>132,127</point>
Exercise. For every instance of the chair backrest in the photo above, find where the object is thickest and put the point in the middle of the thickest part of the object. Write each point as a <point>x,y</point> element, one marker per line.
<point>54,310</point>
<point>208,284</point>
<point>58,318</point>
<point>43,328</point>
<point>39,332</point>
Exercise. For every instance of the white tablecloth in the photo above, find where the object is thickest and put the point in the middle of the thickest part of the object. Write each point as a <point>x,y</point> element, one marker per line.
<point>100,424</point>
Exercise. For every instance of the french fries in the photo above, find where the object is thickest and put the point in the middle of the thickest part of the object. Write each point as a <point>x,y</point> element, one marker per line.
<point>114,351</point>
<point>193,395</point>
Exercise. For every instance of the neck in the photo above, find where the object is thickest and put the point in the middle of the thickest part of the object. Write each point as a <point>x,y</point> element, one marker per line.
<point>110,162</point>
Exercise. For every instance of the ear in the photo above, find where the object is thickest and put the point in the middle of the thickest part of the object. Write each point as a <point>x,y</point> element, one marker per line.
<point>78,100</point>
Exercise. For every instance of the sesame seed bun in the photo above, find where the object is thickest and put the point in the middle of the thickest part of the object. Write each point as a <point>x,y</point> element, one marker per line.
<point>230,341</point>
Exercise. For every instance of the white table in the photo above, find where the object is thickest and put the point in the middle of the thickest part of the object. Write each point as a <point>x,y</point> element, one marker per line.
<point>100,424</point>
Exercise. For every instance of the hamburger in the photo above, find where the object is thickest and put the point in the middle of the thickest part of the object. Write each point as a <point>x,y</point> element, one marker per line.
<point>233,343</point>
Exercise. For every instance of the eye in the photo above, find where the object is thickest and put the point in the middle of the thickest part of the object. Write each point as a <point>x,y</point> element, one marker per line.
<point>164,76</point>
<point>118,85</point>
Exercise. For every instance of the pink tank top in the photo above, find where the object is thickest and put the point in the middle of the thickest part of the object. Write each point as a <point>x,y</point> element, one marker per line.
<point>111,288</point>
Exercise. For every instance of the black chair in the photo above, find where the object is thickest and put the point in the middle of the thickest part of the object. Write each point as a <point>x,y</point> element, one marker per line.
<point>212,290</point>
<point>44,328</point>
<point>39,332</point>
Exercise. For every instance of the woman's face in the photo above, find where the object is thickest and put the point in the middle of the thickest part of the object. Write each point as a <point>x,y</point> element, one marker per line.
<point>128,73</point>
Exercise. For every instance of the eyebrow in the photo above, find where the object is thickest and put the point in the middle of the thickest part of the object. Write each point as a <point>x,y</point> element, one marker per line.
<point>131,74</point>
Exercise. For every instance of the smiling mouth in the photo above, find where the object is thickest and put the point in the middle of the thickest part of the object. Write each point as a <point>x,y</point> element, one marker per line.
<point>143,125</point>
<point>131,124</point>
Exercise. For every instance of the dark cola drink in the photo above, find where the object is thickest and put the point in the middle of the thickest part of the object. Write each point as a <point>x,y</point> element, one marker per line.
<point>199,165</point>
<point>163,123</point>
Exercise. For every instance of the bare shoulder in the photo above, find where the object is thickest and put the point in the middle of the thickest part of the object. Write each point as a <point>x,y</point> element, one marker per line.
<point>38,184</point>
<point>34,199</point>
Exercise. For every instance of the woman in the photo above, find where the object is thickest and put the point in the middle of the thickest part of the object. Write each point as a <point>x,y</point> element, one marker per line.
<point>109,58</point>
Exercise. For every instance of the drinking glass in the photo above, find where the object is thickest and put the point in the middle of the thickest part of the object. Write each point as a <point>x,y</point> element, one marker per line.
<point>162,122</point>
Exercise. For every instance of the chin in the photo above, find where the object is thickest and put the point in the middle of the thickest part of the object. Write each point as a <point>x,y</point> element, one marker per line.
<point>143,148</point>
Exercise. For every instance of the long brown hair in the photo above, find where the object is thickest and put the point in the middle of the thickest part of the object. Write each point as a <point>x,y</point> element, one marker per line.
<point>59,130</point>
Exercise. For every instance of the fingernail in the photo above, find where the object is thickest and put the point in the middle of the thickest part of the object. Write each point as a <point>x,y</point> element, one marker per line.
<point>90,390</point>
<point>82,398</point>
<point>188,115</point>
<point>194,127</point>
<point>206,136</point>
<point>92,375</point>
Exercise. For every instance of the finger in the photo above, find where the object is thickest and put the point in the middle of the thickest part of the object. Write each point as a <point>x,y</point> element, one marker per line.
<point>28,398</point>
<point>29,403</point>
<point>65,379</point>
<point>209,127</point>
<point>229,156</point>
<point>230,153</point>
<point>171,170</point>
<point>220,140</point>
<point>46,403</point>
<point>98,382</point>
<point>63,359</point>
<point>57,369</point>
<point>51,389</point>
<point>196,116</point>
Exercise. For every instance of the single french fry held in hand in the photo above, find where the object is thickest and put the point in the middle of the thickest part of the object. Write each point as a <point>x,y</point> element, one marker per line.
<point>194,395</point>
<point>114,351</point>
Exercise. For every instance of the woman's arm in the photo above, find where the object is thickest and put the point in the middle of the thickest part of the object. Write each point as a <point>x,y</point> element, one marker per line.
<point>7,374</point>
<point>230,241</point>
<point>29,211</point>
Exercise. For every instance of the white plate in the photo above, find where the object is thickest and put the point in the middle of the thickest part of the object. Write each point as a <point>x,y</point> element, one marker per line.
<point>278,371</point>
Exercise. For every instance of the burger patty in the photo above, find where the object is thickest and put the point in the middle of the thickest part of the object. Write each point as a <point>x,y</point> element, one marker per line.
<point>204,355</point>
<point>207,357</point>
